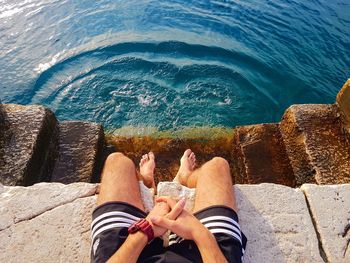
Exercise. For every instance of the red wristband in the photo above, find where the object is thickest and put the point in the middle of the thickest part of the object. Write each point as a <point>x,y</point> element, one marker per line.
<point>144,226</point>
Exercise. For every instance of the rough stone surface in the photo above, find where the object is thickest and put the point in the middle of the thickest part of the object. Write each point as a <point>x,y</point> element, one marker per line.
<point>47,222</point>
<point>80,152</point>
<point>27,144</point>
<point>2,117</point>
<point>316,144</point>
<point>330,208</point>
<point>147,196</point>
<point>343,100</point>
<point>19,204</point>
<point>50,222</point>
<point>277,229</point>
<point>260,156</point>
<point>176,190</point>
<point>58,235</point>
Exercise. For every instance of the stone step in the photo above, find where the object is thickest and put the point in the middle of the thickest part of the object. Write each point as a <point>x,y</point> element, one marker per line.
<point>28,136</point>
<point>259,156</point>
<point>81,152</point>
<point>317,144</point>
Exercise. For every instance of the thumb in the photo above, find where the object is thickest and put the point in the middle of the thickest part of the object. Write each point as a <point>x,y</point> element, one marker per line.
<point>162,222</point>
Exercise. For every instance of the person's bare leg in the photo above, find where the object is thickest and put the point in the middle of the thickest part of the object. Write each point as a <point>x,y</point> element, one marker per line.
<point>187,166</point>
<point>147,165</point>
<point>213,185</point>
<point>119,181</point>
<point>212,182</point>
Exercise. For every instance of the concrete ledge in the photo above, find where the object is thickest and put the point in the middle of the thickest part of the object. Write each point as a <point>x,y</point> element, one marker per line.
<point>275,219</point>
<point>330,208</point>
<point>277,229</point>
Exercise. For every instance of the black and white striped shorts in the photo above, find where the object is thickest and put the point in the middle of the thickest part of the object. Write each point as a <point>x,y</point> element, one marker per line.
<point>110,222</point>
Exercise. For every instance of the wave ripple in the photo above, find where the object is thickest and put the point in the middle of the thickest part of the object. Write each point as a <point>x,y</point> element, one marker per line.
<point>173,63</point>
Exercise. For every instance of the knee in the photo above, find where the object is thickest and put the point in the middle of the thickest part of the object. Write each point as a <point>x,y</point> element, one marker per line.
<point>220,163</point>
<point>117,157</point>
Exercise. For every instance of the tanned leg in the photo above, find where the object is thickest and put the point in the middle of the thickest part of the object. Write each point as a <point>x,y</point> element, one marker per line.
<point>119,181</point>
<point>212,181</point>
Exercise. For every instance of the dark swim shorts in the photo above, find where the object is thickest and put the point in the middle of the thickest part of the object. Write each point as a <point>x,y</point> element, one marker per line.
<point>110,223</point>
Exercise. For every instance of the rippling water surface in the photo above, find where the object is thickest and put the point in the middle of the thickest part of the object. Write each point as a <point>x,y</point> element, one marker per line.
<point>168,64</point>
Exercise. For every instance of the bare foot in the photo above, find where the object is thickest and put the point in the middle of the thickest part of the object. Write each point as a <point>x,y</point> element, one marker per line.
<point>187,165</point>
<point>147,166</point>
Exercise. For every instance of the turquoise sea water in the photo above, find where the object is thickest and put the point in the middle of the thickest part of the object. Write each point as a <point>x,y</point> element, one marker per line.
<point>169,64</point>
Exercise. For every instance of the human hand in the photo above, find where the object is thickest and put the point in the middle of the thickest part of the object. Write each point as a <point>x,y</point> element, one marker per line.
<point>185,225</point>
<point>163,208</point>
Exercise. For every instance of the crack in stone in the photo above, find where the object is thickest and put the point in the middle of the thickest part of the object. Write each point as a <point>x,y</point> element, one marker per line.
<point>346,230</point>
<point>346,248</point>
<point>50,209</point>
<point>320,246</point>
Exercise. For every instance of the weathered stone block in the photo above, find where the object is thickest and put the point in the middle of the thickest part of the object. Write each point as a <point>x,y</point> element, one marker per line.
<point>260,155</point>
<point>343,101</point>
<point>330,208</point>
<point>24,203</point>
<point>58,235</point>
<point>316,143</point>
<point>80,152</point>
<point>27,144</point>
<point>277,229</point>
<point>47,222</point>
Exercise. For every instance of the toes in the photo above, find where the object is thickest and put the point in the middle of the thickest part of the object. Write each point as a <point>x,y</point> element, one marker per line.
<point>151,155</point>
<point>192,160</point>
<point>187,153</point>
<point>192,155</point>
<point>142,161</point>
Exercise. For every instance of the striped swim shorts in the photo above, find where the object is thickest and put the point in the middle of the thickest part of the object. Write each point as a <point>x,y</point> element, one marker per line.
<point>109,228</point>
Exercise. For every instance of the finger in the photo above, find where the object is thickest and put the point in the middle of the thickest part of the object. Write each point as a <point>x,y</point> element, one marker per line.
<point>163,222</point>
<point>177,210</point>
<point>170,201</point>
